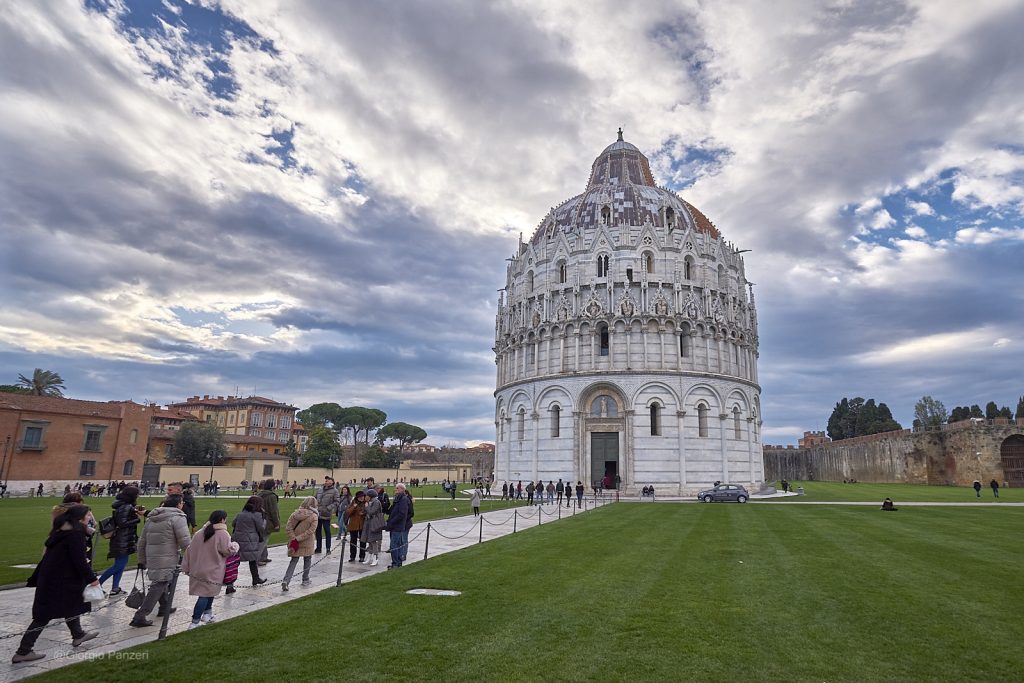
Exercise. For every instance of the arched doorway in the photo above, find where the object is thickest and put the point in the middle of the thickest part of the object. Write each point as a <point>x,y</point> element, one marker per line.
<point>1012,455</point>
<point>604,429</point>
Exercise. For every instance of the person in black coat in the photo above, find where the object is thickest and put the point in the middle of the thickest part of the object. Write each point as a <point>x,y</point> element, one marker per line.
<point>398,525</point>
<point>189,506</point>
<point>59,580</point>
<point>126,535</point>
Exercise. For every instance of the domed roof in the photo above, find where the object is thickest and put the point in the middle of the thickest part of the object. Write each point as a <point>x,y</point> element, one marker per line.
<point>621,190</point>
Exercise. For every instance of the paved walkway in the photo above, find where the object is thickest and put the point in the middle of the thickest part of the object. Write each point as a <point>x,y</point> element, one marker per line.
<point>111,617</point>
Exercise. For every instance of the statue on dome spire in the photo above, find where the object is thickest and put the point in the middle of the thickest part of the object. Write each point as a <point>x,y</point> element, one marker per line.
<point>620,133</point>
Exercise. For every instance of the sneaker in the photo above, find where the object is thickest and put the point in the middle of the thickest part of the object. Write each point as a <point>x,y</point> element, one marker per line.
<point>318,550</point>
<point>207,618</point>
<point>83,638</point>
<point>115,591</point>
<point>284,586</point>
<point>140,623</point>
<point>262,563</point>
<point>374,562</point>
<point>230,590</point>
<point>307,583</point>
<point>29,656</point>
<point>259,582</point>
<point>194,624</point>
<point>362,560</point>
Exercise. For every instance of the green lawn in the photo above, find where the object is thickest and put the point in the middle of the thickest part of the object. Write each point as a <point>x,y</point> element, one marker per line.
<point>654,592</point>
<point>25,522</point>
<point>832,491</point>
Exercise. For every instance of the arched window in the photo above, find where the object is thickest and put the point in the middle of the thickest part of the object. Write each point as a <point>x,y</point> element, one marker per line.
<point>561,271</point>
<point>529,282</point>
<point>603,331</point>
<point>670,218</point>
<point>723,279</point>
<point>133,436</point>
<point>629,274</point>
<point>501,427</point>
<point>129,468</point>
<point>521,424</point>
<point>602,265</point>
<point>702,420</point>
<point>606,214</point>
<point>684,344</point>
<point>655,419</point>
<point>688,268</point>
<point>530,354</point>
<point>737,432</point>
<point>649,262</point>
<point>556,416</point>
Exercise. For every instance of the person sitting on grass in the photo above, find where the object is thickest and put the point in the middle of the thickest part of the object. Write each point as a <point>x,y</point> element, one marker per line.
<point>888,506</point>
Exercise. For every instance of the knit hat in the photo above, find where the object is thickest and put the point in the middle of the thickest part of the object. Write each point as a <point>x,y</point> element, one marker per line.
<point>371,493</point>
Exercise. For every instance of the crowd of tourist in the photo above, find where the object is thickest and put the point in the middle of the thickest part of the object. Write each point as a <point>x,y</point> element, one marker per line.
<point>209,556</point>
<point>544,494</point>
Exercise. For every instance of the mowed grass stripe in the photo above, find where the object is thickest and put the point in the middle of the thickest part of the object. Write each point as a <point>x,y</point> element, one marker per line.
<point>702,592</point>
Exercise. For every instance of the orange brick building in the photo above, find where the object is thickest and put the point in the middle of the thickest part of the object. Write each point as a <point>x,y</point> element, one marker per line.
<point>50,440</point>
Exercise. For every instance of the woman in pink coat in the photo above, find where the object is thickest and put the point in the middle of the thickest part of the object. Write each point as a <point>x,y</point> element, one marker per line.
<point>204,563</point>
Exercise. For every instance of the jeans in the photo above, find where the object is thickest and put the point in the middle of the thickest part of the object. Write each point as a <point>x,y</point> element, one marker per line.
<point>399,547</point>
<point>36,627</point>
<point>202,605</point>
<point>323,530</point>
<point>353,539</point>
<point>115,570</point>
<point>307,561</point>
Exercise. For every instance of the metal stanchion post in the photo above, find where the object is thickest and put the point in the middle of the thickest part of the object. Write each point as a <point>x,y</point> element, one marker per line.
<point>515,518</point>
<point>481,529</point>
<point>559,509</point>
<point>341,565</point>
<point>426,546</point>
<point>170,603</point>
<point>540,513</point>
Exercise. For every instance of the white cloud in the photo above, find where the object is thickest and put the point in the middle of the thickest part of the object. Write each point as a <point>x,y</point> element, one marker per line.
<point>989,235</point>
<point>920,208</point>
<point>916,231</point>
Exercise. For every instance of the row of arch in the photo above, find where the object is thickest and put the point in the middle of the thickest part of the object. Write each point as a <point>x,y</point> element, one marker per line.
<point>605,400</point>
<point>647,262</point>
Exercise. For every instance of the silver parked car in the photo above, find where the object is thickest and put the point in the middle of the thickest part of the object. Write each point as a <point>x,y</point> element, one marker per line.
<point>724,492</point>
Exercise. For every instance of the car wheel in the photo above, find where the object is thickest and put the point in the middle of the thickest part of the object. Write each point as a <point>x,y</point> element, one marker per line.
<point>708,499</point>
<point>741,499</point>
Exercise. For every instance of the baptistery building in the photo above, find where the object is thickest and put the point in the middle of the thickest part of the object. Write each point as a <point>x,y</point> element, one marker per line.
<point>626,343</point>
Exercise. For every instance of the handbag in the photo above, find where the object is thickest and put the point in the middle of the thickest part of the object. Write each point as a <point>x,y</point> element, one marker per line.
<point>93,594</point>
<point>231,568</point>
<point>137,597</point>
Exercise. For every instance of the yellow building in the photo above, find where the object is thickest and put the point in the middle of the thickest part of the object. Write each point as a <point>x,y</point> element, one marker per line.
<point>254,416</point>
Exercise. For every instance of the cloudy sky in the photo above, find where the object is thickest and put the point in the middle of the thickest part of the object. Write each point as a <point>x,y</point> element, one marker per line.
<point>313,200</point>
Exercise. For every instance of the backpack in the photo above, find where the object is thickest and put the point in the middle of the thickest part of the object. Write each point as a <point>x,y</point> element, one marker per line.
<point>107,527</point>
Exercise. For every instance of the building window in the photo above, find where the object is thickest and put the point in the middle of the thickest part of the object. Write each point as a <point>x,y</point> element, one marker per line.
<point>655,419</point>
<point>231,418</point>
<point>32,438</point>
<point>603,331</point>
<point>649,262</point>
<point>629,274</point>
<point>556,417</point>
<point>133,436</point>
<point>286,422</point>
<point>168,449</point>
<point>670,218</point>
<point>256,420</point>
<point>530,354</point>
<point>268,470</point>
<point>702,420</point>
<point>283,436</point>
<point>272,421</point>
<point>263,450</point>
<point>501,427</point>
<point>723,279</point>
<point>255,432</point>
<point>606,214</point>
<point>602,265</point>
<point>521,424</point>
<point>529,282</point>
<point>688,267</point>
<point>220,419</point>
<point>87,468</point>
<point>93,439</point>
<point>684,344</point>
<point>736,430</point>
<point>561,272</point>
<point>128,469</point>
<point>270,434</point>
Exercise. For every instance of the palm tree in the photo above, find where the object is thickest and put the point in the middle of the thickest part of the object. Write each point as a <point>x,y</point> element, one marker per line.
<point>43,383</point>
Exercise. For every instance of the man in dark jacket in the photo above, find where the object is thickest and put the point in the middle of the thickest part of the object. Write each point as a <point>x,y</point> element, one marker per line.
<point>399,523</point>
<point>188,505</point>
<point>272,514</point>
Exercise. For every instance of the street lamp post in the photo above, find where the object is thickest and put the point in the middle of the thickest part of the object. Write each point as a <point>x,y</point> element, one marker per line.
<point>3,465</point>
<point>213,456</point>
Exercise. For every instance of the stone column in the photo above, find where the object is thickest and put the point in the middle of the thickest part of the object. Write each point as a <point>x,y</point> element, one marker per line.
<point>627,452</point>
<point>680,415</point>
<point>750,446</point>
<point>725,452</point>
<point>535,419</point>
